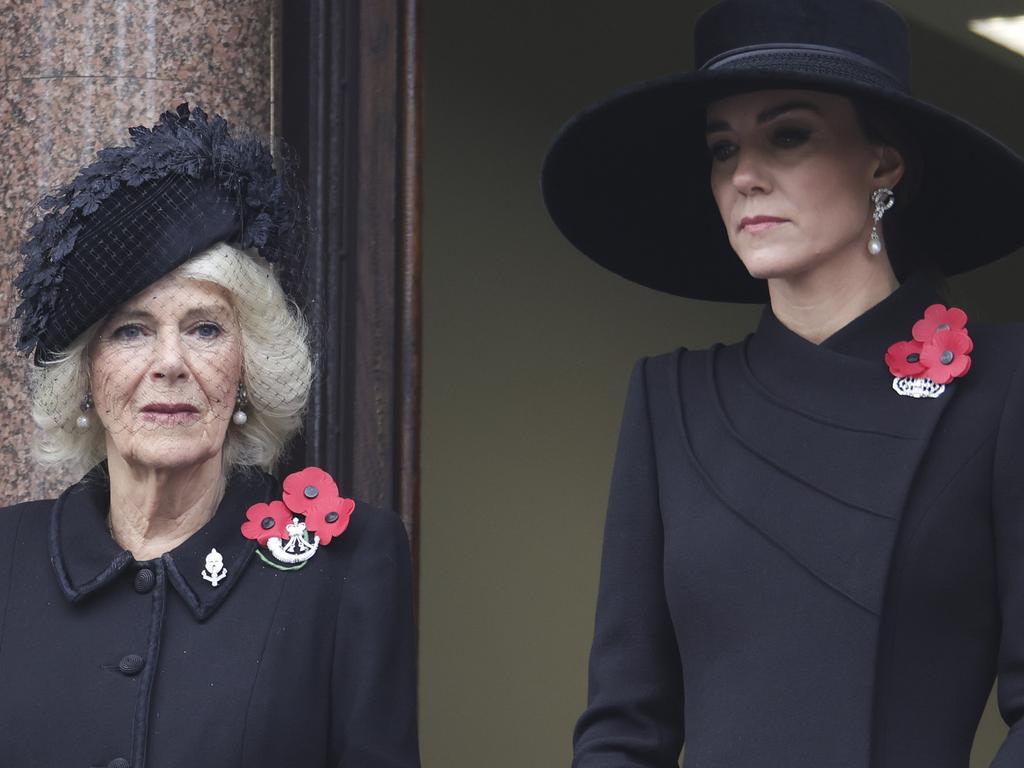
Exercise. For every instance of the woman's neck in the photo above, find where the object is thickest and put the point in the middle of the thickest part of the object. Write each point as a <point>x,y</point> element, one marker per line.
<point>154,510</point>
<point>817,303</point>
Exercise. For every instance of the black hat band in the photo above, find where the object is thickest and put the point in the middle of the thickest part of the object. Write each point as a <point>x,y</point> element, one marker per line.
<point>816,60</point>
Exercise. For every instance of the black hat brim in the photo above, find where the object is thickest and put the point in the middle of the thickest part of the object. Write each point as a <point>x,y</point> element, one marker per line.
<point>627,182</point>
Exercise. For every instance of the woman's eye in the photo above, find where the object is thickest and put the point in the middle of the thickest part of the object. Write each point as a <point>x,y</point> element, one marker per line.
<point>207,330</point>
<point>722,151</point>
<point>129,332</point>
<point>791,137</point>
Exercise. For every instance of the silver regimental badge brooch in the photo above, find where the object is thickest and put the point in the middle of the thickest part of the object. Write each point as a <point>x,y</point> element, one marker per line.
<point>938,353</point>
<point>310,513</point>
<point>298,549</point>
<point>214,572</point>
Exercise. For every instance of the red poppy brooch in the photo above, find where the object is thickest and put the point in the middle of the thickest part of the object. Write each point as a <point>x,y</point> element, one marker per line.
<point>309,515</point>
<point>938,353</point>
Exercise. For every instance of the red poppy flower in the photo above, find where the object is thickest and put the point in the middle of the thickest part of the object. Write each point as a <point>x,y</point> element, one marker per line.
<point>264,521</point>
<point>311,490</point>
<point>904,359</point>
<point>938,318</point>
<point>330,523</point>
<point>946,357</point>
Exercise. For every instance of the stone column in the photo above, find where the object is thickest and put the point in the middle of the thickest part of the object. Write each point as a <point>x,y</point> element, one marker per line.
<point>75,75</point>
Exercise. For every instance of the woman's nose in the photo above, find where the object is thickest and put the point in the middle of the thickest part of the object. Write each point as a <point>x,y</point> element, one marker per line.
<point>749,175</point>
<point>169,358</point>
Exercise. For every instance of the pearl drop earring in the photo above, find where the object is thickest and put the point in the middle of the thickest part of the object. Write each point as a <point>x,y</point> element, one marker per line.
<point>883,199</point>
<point>83,422</point>
<point>239,417</point>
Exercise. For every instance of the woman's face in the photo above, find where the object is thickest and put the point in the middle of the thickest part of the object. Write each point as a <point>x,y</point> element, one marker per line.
<point>164,373</point>
<point>792,174</point>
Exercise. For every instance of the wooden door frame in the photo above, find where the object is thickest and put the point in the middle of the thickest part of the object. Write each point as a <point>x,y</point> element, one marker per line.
<point>348,101</point>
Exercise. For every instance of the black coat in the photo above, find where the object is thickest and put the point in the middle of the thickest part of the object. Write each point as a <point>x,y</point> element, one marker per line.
<point>105,661</point>
<point>802,568</point>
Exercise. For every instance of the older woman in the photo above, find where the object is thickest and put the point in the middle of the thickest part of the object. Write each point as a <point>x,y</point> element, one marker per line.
<point>178,606</point>
<point>814,548</point>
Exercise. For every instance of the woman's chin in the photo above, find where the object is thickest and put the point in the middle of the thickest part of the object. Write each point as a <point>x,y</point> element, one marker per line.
<point>767,264</point>
<point>171,447</point>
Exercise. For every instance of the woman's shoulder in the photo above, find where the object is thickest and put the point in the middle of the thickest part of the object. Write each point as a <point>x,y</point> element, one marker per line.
<point>1009,336</point>
<point>998,350</point>
<point>377,525</point>
<point>25,521</point>
<point>662,371</point>
<point>34,508</point>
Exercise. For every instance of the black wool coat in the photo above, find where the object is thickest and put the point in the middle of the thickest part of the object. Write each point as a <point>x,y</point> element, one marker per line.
<point>803,568</point>
<point>105,661</point>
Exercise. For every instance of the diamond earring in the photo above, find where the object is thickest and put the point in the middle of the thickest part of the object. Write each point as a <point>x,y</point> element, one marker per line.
<point>239,417</point>
<point>83,422</point>
<point>883,199</point>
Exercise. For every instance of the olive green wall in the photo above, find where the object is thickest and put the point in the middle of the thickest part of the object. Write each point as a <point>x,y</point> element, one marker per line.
<point>528,347</point>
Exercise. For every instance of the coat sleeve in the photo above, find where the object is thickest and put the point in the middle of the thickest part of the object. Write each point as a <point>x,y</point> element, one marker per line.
<point>634,715</point>
<point>373,710</point>
<point>1008,521</point>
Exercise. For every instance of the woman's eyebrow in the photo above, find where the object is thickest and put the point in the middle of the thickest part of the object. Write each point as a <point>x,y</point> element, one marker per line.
<point>203,310</point>
<point>767,115</point>
<point>208,310</point>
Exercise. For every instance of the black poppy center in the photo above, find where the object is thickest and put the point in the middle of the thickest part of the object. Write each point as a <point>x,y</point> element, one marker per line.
<point>311,492</point>
<point>942,327</point>
<point>267,523</point>
<point>913,357</point>
<point>331,517</point>
<point>947,357</point>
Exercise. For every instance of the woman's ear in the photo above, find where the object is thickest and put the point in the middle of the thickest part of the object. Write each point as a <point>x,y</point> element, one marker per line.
<point>890,167</point>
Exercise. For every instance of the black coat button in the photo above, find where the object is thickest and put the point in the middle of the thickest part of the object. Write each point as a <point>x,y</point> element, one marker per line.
<point>144,581</point>
<point>118,762</point>
<point>131,664</point>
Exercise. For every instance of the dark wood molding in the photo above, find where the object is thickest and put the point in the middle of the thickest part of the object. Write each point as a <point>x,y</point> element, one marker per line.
<point>410,292</point>
<point>350,108</point>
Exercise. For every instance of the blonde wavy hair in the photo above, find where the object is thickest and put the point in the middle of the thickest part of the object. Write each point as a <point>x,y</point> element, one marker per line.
<point>277,371</point>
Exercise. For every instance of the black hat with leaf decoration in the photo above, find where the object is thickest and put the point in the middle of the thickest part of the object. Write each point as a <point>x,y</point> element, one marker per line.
<point>140,211</point>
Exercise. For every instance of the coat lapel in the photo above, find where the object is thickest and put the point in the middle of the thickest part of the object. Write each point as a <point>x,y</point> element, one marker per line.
<point>810,445</point>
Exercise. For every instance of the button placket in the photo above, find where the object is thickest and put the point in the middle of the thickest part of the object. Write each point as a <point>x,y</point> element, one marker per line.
<point>132,664</point>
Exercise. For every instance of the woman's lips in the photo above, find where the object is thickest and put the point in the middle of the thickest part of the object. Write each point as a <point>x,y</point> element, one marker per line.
<point>755,224</point>
<point>170,414</point>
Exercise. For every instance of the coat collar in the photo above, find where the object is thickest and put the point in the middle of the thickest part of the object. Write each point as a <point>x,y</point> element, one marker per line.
<point>832,379</point>
<point>86,558</point>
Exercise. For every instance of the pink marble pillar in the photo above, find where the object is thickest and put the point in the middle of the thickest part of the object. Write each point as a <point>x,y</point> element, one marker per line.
<point>75,74</point>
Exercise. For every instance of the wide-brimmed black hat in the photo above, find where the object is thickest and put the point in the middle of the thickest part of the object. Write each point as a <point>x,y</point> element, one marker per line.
<point>627,180</point>
<point>140,211</point>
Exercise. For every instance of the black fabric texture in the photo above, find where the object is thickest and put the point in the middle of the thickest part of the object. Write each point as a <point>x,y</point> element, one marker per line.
<point>313,667</point>
<point>803,568</point>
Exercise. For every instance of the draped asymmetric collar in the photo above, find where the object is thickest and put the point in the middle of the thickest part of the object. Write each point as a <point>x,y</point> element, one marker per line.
<point>845,378</point>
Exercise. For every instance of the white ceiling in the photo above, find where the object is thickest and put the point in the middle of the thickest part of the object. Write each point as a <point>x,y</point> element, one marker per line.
<point>949,17</point>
